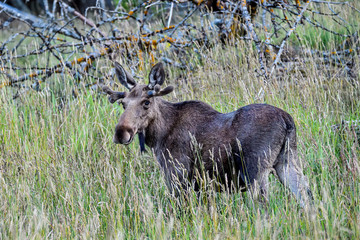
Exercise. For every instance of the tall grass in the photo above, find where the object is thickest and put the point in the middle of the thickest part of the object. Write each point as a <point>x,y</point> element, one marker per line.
<point>62,177</point>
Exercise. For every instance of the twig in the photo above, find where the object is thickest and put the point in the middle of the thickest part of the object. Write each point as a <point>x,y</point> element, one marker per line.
<point>282,45</point>
<point>184,20</point>
<point>170,14</point>
<point>253,35</point>
<point>83,18</point>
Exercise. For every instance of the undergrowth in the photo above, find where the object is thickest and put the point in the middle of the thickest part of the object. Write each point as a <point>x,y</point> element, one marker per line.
<point>63,178</point>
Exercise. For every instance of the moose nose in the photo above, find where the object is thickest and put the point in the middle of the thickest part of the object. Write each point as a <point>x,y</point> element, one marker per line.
<point>123,135</point>
<point>116,140</point>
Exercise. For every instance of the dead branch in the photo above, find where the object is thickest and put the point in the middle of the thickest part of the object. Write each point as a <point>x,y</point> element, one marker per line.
<point>68,41</point>
<point>292,29</point>
<point>34,21</point>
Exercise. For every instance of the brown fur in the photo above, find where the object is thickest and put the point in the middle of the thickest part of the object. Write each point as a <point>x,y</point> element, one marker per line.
<point>238,149</point>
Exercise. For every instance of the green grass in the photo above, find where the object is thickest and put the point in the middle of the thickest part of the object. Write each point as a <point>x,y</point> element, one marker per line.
<point>63,178</point>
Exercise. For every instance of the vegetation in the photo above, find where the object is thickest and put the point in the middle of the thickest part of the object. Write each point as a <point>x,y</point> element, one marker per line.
<point>63,178</point>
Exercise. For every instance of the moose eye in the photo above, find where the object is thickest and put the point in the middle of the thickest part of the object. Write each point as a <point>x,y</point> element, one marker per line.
<point>146,104</point>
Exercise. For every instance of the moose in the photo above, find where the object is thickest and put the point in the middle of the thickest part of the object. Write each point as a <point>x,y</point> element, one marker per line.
<point>238,149</point>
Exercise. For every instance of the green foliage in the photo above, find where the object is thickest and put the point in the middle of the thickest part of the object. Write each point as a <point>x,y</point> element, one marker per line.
<point>62,176</point>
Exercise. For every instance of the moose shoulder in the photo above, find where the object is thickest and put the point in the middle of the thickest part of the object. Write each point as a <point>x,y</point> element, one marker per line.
<point>239,149</point>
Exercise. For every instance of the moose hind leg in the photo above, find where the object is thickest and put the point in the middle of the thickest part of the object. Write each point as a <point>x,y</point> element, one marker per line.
<point>289,170</point>
<point>294,179</point>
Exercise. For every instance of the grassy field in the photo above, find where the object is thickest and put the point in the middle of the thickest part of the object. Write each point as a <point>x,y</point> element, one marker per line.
<point>63,178</point>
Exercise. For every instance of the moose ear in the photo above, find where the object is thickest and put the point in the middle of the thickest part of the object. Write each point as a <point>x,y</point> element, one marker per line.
<point>165,91</point>
<point>157,75</point>
<point>124,77</point>
<point>113,96</point>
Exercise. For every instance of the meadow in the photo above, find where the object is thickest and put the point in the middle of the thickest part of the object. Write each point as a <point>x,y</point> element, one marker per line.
<point>62,177</point>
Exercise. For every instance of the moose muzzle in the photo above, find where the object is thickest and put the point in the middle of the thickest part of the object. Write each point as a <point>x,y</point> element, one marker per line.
<point>123,135</point>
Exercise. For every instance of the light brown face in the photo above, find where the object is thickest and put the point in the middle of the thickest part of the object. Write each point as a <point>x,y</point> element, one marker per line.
<point>140,106</point>
<point>139,109</point>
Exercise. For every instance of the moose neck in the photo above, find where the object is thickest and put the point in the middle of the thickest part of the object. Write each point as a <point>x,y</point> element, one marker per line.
<point>162,123</point>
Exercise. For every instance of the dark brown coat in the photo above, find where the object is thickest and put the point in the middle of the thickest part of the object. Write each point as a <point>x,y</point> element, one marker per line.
<point>238,149</point>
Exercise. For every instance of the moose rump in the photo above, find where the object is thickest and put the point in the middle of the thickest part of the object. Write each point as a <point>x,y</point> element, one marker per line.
<point>191,139</point>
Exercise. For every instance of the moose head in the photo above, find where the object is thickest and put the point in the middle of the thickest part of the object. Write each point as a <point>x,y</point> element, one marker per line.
<point>140,105</point>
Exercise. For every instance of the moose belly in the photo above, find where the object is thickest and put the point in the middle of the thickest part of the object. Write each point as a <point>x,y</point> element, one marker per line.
<point>222,170</point>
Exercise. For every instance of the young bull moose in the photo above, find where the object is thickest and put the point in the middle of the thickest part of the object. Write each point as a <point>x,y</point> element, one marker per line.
<point>238,149</point>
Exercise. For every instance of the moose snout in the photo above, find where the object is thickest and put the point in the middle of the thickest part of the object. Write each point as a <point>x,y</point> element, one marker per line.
<point>123,135</point>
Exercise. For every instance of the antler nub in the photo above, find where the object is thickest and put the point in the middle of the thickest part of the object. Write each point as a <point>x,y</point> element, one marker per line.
<point>157,92</point>
<point>157,88</point>
<point>154,92</point>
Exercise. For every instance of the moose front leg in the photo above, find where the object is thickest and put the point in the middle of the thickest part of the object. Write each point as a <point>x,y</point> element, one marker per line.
<point>176,172</point>
<point>259,187</point>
